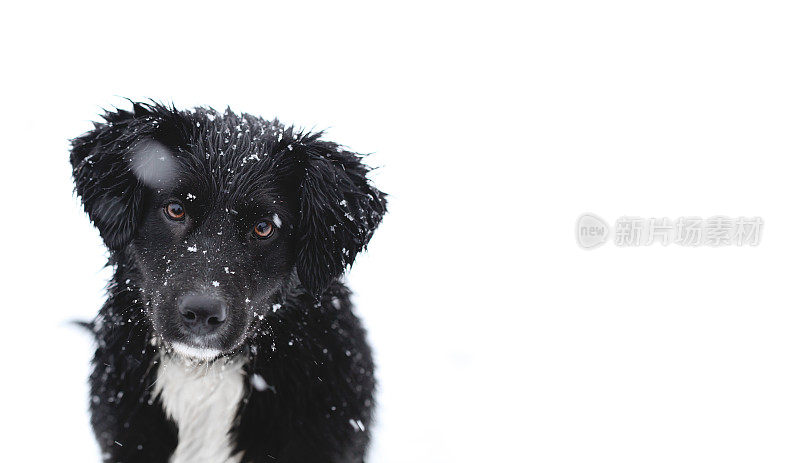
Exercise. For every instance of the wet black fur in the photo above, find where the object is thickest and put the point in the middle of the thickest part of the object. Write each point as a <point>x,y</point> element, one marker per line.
<point>302,336</point>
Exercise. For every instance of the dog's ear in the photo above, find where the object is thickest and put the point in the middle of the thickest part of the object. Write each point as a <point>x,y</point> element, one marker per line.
<point>339,211</point>
<point>110,192</point>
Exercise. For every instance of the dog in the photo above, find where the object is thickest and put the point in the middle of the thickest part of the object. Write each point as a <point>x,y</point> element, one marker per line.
<point>228,335</point>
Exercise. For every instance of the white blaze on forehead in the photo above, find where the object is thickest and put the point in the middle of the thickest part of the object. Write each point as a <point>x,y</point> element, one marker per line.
<point>276,220</point>
<point>153,163</point>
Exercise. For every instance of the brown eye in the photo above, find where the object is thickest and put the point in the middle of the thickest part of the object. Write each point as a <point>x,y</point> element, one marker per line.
<point>174,211</point>
<point>263,229</point>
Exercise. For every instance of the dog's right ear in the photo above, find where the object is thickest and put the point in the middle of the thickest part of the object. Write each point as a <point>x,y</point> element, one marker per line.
<point>110,192</point>
<point>339,211</point>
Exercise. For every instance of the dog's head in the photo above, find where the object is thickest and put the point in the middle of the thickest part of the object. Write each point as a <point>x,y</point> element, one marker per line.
<point>217,213</point>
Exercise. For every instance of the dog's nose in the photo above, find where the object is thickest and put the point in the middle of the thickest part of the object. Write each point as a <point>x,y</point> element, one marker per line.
<point>202,314</point>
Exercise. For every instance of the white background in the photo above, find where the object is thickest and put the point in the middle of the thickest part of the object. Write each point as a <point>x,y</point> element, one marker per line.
<point>495,125</point>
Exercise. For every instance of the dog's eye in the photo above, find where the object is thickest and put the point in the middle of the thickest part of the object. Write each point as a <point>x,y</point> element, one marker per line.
<point>175,211</point>
<point>263,229</point>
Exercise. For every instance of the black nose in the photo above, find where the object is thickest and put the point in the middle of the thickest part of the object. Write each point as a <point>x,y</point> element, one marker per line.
<point>202,314</point>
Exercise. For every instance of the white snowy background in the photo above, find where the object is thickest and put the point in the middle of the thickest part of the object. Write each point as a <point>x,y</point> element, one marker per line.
<point>495,125</point>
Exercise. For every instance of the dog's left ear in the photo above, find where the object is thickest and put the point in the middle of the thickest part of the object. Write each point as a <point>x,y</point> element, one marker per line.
<point>110,191</point>
<point>339,211</point>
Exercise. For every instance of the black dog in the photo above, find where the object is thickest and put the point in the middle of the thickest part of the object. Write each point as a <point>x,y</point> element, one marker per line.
<point>227,335</point>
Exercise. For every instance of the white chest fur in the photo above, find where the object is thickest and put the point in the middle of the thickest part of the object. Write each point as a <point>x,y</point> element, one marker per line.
<point>202,400</point>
